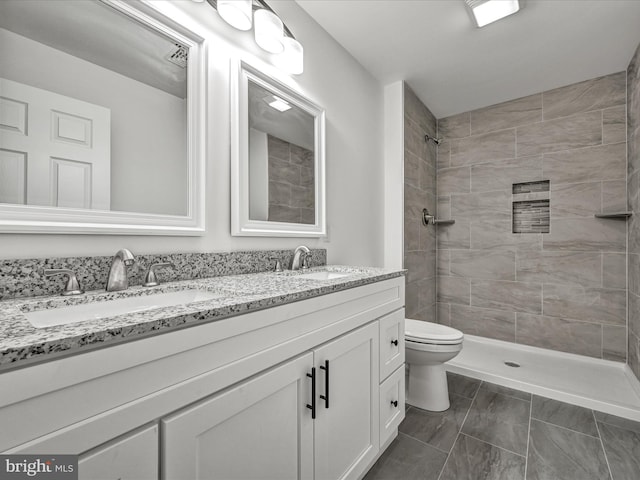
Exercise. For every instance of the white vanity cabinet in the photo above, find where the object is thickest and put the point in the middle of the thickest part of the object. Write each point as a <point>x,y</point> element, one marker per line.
<point>225,399</point>
<point>134,457</point>
<point>264,428</point>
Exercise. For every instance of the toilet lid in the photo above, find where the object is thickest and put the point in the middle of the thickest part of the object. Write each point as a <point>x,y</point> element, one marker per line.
<point>427,332</point>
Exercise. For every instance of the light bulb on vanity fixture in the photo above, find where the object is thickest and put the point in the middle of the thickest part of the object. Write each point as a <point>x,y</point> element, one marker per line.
<point>270,32</point>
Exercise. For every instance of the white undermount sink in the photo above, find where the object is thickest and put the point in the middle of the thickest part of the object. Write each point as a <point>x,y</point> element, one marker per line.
<point>325,275</point>
<point>64,315</point>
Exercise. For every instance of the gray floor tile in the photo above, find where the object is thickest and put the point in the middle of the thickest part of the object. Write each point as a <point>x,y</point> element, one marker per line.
<point>564,414</point>
<point>623,451</point>
<point>499,419</point>
<point>472,459</point>
<point>618,421</point>
<point>408,459</point>
<point>556,453</point>
<point>510,392</point>
<point>438,429</point>
<point>461,385</point>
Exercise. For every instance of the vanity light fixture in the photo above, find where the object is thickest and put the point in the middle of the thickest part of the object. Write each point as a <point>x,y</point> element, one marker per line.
<point>488,11</point>
<point>270,33</point>
<point>276,102</point>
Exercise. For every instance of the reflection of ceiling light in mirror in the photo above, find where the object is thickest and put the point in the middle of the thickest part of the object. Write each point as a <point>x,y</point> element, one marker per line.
<point>276,102</point>
<point>236,13</point>
<point>268,31</point>
<point>488,11</point>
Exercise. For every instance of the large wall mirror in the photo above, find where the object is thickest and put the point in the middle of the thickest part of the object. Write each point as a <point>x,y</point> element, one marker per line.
<point>101,119</point>
<point>277,150</point>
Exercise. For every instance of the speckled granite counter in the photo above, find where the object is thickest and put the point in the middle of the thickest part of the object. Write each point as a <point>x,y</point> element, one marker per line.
<point>21,343</point>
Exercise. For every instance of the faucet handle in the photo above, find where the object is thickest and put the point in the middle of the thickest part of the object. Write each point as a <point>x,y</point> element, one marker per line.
<point>72,287</point>
<point>304,261</point>
<point>151,279</point>
<point>278,265</point>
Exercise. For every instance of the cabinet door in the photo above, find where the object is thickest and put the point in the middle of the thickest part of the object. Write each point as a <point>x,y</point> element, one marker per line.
<point>347,432</point>
<point>391,342</point>
<point>133,457</point>
<point>260,429</point>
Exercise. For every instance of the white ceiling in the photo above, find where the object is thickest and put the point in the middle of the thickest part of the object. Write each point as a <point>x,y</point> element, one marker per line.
<point>455,67</point>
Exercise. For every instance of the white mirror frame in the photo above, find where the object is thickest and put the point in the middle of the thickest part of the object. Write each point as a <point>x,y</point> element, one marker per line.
<point>241,224</point>
<point>37,219</point>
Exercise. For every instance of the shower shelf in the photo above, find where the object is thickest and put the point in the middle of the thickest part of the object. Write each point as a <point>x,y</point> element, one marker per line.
<point>614,215</point>
<point>444,222</point>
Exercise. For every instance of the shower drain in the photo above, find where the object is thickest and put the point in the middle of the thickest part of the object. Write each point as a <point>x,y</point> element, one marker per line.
<point>512,364</point>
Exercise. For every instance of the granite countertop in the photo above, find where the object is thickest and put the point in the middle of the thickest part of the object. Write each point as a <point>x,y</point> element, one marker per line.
<point>21,343</point>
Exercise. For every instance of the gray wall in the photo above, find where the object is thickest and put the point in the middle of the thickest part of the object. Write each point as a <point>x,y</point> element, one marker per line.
<point>564,290</point>
<point>419,192</point>
<point>633,187</point>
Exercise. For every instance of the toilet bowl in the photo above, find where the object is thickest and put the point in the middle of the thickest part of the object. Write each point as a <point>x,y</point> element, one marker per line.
<point>427,346</point>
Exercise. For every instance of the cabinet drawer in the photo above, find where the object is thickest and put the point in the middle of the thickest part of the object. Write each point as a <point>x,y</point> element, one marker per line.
<point>392,404</point>
<point>391,342</point>
<point>132,457</point>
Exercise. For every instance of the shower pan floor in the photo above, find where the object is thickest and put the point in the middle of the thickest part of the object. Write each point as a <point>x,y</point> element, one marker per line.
<point>602,385</point>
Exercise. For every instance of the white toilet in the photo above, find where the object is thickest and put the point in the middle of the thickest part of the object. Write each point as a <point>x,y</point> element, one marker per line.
<point>427,346</point>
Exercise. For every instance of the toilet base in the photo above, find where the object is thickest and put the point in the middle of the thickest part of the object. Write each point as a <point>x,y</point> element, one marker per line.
<point>428,387</point>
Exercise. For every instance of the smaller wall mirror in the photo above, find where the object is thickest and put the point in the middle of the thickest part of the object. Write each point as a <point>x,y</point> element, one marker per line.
<point>277,154</point>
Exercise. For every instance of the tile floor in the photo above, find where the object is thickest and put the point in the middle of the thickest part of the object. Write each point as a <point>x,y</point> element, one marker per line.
<point>493,432</point>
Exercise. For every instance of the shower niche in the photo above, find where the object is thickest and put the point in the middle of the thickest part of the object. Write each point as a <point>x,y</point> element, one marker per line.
<point>531,207</point>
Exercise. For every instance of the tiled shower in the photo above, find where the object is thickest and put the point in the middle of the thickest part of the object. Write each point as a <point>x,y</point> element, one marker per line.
<point>563,290</point>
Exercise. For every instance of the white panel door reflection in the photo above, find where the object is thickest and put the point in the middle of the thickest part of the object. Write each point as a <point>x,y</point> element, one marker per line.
<point>54,150</point>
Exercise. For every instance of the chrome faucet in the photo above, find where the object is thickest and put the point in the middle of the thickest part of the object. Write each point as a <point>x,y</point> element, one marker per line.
<point>299,258</point>
<point>118,272</point>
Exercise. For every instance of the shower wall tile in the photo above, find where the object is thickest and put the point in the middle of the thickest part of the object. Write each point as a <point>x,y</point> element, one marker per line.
<point>614,196</point>
<point>454,236</point>
<point>485,147</point>
<point>496,234</point>
<point>454,180</point>
<point>454,290</point>
<point>581,130</point>
<point>576,199</point>
<point>444,154</point>
<point>569,268</point>
<point>510,296</point>
<point>594,94</point>
<point>614,125</point>
<point>444,316</point>
<point>497,324</point>
<point>633,196</point>
<point>614,268</point>
<point>455,126</point>
<point>502,174</point>
<point>521,111</point>
<point>481,206</point>
<point>561,334</point>
<point>592,164</point>
<point>480,264</point>
<point>573,279</point>
<point>586,234</point>
<point>614,343</point>
<point>419,193</point>
<point>601,305</point>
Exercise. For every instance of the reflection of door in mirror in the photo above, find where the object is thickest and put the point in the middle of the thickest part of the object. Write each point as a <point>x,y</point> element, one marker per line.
<point>281,160</point>
<point>90,53</point>
<point>55,150</point>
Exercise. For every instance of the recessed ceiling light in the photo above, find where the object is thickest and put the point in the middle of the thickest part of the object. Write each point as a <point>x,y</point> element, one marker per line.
<point>276,102</point>
<point>488,11</point>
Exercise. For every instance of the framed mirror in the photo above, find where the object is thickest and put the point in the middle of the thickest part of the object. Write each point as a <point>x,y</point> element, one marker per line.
<point>101,119</point>
<point>277,158</point>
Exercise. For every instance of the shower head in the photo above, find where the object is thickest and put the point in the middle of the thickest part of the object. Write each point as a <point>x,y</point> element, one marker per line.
<point>435,140</point>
